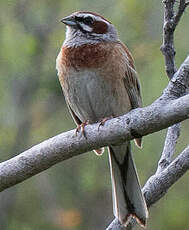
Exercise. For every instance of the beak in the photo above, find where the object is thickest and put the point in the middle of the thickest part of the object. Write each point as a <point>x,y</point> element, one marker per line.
<point>69,21</point>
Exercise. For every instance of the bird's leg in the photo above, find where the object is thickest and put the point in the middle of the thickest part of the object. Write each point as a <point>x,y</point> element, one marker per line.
<point>82,128</point>
<point>102,122</point>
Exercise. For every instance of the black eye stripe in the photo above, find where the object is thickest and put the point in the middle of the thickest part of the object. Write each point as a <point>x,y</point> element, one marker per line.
<point>87,20</point>
<point>79,19</point>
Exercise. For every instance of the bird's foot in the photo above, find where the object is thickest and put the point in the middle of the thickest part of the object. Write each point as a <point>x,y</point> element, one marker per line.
<point>102,122</point>
<point>82,128</point>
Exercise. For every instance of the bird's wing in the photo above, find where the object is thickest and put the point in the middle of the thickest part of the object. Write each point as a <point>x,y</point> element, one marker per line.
<point>132,85</point>
<point>131,80</point>
<point>74,116</point>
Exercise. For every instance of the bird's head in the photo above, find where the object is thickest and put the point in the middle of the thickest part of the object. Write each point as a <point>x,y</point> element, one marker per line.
<point>88,27</point>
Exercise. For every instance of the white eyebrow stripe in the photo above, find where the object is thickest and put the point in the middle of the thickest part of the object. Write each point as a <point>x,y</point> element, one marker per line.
<point>97,18</point>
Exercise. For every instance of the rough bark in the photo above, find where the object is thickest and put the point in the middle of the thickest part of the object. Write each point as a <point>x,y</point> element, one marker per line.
<point>165,111</point>
<point>169,109</point>
<point>171,20</point>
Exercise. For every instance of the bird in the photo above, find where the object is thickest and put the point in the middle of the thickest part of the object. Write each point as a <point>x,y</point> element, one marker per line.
<point>99,81</point>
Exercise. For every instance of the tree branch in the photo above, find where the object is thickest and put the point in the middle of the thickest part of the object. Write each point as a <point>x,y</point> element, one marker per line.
<point>171,20</point>
<point>165,111</point>
<point>167,47</point>
<point>182,6</point>
<point>173,134</point>
<point>157,185</point>
<point>168,41</point>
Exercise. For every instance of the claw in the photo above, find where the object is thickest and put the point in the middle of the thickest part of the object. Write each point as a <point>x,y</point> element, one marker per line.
<point>102,122</point>
<point>82,128</point>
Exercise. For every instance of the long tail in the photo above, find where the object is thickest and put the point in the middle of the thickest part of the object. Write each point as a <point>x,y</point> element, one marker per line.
<point>128,200</point>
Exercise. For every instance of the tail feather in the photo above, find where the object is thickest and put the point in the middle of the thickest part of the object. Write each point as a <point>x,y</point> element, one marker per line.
<point>128,200</point>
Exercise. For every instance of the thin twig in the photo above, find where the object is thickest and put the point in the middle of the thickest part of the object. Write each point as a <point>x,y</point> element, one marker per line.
<point>171,20</point>
<point>169,147</point>
<point>182,6</point>
<point>157,185</point>
<point>167,47</point>
<point>147,190</point>
<point>164,112</point>
<point>168,50</point>
<point>169,53</point>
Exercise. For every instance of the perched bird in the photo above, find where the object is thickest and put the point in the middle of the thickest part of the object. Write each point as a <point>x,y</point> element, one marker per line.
<point>99,80</point>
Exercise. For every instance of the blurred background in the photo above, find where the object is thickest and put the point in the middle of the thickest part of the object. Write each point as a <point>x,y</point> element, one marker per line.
<point>76,194</point>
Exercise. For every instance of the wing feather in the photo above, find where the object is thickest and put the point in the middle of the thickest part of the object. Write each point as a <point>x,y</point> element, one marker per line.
<point>132,85</point>
<point>131,80</point>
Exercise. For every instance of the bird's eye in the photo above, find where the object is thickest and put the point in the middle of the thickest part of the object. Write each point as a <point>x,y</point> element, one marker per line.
<point>88,20</point>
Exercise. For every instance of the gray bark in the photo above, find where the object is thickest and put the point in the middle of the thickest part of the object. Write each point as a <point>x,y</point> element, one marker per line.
<point>171,20</point>
<point>165,111</point>
<point>158,184</point>
<point>169,147</point>
<point>172,107</point>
